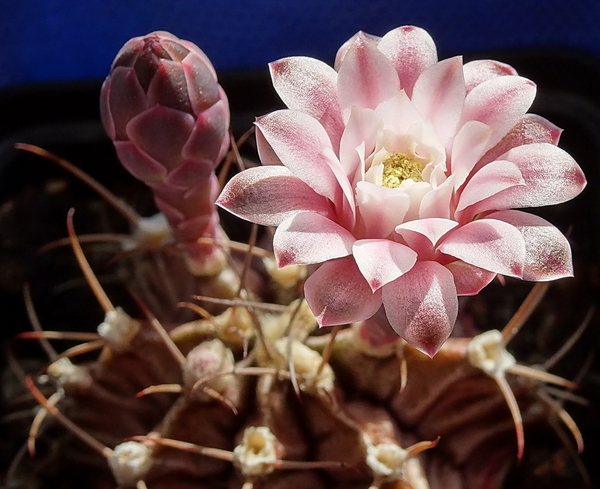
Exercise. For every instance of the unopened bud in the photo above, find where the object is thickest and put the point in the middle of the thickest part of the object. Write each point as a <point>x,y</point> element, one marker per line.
<point>169,120</point>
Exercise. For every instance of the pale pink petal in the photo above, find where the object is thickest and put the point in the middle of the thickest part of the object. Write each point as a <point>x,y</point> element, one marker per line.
<point>417,192</point>
<point>337,293</point>
<point>551,176</point>
<point>308,238</point>
<point>366,77</point>
<point>490,180</point>
<point>422,306</point>
<point>310,86</point>
<point>530,129</point>
<point>468,279</point>
<point>399,114</point>
<point>269,195</point>
<point>437,202</point>
<point>382,260</point>
<point>267,155</point>
<point>432,228</point>
<point>480,70</point>
<point>439,95</point>
<point>299,142</point>
<point>411,50</point>
<point>499,103</point>
<point>547,251</point>
<point>469,144</point>
<point>381,208</point>
<point>490,244</point>
<point>422,235</point>
<point>359,139</point>
<point>341,53</point>
<point>345,205</point>
<point>418,242</point>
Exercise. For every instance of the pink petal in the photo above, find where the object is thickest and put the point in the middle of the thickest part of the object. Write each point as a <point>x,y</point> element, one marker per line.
<point>341,53</point>
<point>366,77</point>
<point>422,306</point>
<point>439,95</point>
<point>308,238</point>
<point>530,129</point>
<point>399,114</point>
<point>469,280</point>
<point>376,331</point>
<point>547,251</point>
<point>192,229</point>
<point>468,147</point>
<point>423,234</point>
<point>310,86</point>
<point>437,202</point>
<point>490,244</point>
<point>491,179</point>
<point>345,205</point>
<point>411,50</point>
<point>269,195</point>
<point>382,260</point>
<point>432,228</point>
<point>499,103</point>
<point>174,215</point>
<point>199,72</point>
<point>551,176</point>
<point>207,138</point>
<point>267,155</point>
<point>358,140</point>
<point>122,99</point>
<point>299,142</point>
<point>191,201</point>
<point>138,163</point>
<point>190,173</point>
<point>105,112</point>
<point>162,133</point>
<point>481,70</point>
<point>168,87</point>
<point>381,208</point>
<point>337,293</point>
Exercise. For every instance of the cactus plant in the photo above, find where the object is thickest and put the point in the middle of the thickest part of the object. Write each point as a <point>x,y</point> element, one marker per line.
<point>250,392</point>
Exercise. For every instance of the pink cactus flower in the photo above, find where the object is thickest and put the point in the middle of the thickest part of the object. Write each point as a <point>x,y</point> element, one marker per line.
<point>398,174</point>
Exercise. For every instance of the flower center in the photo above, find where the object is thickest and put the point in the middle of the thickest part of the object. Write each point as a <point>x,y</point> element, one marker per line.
<point>398,167</point>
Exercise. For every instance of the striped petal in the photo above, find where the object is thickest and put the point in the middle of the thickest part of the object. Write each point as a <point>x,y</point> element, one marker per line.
<point>337,293</point>
<point>422,306</point>
<point>381,260</point>
<point>490,244</point>
<point>310,86</point>
<point>308,238</point>
<point>269,195</point>
<point>547,251</point>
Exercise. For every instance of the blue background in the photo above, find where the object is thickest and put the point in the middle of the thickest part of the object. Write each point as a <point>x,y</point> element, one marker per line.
<point>51,40</point>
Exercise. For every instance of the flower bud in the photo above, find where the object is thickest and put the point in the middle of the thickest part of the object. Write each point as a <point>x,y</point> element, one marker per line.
<point>169,120</point>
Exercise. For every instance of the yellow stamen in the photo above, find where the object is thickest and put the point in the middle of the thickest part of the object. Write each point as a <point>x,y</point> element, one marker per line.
<point>398,167</point>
